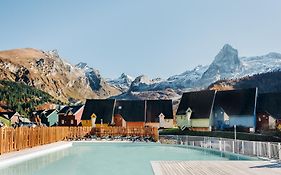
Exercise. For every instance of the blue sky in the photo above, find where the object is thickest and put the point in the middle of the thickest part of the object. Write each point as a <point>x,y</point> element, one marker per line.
<point>158,38</point>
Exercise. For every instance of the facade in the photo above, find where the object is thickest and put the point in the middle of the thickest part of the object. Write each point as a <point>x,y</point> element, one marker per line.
<point>235,107</point>
<point>195,109</point>
<point>128,113</point>
<point>49,117</point>
<point>132,111</point>
<point>70,115</point>
<point>118,120</point>
<point>45,117</point>
<point>159,113</point>
<point>4,121</point>
<point>269,111</point>
<point>98,112</point>
<point>14,117</point>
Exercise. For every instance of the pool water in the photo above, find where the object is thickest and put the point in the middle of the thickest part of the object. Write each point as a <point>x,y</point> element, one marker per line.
<point>111,158</point>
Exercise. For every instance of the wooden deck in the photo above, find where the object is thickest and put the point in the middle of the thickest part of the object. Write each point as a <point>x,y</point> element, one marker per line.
<point>216,167</point>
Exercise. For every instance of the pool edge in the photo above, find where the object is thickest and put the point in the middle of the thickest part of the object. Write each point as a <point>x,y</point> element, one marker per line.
<point>12,158</point>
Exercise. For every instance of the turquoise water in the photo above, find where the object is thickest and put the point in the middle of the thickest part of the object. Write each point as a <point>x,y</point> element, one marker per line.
<point>111,158</point>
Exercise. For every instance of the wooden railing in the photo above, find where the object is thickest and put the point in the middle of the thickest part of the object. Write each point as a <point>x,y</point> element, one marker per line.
<point>130,131</point>
<point>14,139</point>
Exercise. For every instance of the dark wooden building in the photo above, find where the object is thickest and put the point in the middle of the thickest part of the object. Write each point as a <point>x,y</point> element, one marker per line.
<point>70,115</point>
<point>159,113</point>
<point>269,111</point>
<point>98,112</point>
<point>235,107</point>
<point>195,109</point>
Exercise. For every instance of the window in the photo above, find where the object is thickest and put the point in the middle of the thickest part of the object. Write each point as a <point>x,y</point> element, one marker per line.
<point>72,122</point>
<point>62,121</point>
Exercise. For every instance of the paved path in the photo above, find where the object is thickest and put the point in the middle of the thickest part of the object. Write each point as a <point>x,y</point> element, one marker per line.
<point>216,168</point>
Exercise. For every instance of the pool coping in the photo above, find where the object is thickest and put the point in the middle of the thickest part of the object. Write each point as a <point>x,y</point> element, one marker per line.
<point>15,157</point>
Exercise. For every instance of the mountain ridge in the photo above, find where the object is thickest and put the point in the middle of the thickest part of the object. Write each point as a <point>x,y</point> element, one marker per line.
<point>47,71</point>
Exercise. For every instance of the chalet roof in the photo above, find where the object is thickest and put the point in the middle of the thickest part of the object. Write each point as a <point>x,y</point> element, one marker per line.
<point>237,102</point>
<point>7,115</point>
<point>155,107</point>
<point>39,112</point>
<point>131,110</point>
<point>48,112</point>
<point>200,102</point>
<point>72,109</point>
<point>102,108</point>
<point>270,103</point>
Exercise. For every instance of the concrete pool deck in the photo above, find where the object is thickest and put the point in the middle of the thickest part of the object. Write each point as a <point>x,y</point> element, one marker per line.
<point>11,158</point>
<point>216,167</point>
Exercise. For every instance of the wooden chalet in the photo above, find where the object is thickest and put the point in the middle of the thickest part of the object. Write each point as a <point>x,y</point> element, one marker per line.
<point>98,112</point>
<point>159,113</point>
<point>195,109</point>
<point>235,107</point>
<point>131,111</point>
<point>13,117</point>
<point>269,111</point>
<point>70,115</point>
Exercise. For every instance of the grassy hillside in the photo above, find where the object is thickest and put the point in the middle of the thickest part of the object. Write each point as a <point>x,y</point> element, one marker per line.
<point>22,98</point>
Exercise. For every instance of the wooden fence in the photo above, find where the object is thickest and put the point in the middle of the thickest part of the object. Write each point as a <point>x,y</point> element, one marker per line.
<point>130,131</point>
<point>14,139</point>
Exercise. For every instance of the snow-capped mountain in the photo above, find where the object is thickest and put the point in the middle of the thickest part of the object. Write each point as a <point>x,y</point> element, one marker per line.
<point>123,82</point>
<point>143,83</point>
<point>46,71</point>
<point>226,65</point>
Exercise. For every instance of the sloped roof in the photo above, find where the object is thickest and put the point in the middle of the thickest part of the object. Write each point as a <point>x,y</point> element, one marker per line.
<point>39,112</point>
<point>237,102</point>
<point>7,115</point>
<point>155,107</point>
<point>270,103</point>
<point>200,102</point>
<point>72,109</point>
<point>102,108</point>
<point>131,110</point>
<point>48,112</point>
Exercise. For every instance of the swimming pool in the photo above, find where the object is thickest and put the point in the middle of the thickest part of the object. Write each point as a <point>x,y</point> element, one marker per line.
<point>112,158</point>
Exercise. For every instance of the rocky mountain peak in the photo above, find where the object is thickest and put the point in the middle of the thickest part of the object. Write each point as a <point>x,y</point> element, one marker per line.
<point>123,82</point>
<point>81,65</point>
<point>227,55</point>
<point>47,71</point>
<point>225,64</point>
<point>125,77</point>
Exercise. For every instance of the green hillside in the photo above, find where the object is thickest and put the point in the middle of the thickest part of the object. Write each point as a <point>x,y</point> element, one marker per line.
<point>22,98</point>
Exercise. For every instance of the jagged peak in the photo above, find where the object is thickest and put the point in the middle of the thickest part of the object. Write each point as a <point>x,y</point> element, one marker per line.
<point>81,65</point>
<point>227,55</point>
<point>125,76</point>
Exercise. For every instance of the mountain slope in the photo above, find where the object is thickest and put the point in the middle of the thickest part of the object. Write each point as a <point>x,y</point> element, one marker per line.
<point>123,82</point>
<point>266,82</point>
<point>49,73</point>
<point>22,98</point>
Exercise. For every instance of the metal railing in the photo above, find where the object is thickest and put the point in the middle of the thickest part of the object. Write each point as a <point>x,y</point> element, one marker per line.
<point>250,148</point>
